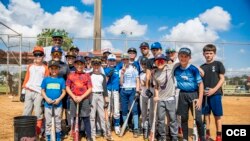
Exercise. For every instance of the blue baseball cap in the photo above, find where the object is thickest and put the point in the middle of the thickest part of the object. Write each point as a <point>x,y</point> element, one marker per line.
<point>156,45</point>
<point>56,49</point>
<point>161,56</point>
<point>80,59</point>
<point>185,50</point>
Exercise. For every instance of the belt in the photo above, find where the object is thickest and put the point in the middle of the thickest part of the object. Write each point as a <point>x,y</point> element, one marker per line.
<point>97,92</point>
<point>128,89</point>
<point>188,91</point>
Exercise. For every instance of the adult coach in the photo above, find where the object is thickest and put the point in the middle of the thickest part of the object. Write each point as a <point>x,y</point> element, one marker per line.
<point>57,38</point>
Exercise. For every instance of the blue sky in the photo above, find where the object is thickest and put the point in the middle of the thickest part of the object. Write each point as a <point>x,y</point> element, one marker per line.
<point>158,20</point>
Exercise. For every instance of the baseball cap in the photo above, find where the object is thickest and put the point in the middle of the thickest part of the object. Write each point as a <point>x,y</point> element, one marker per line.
<point>57,34</point>
<point>96,61</point>
<point>170,50</point>
<point>185,50</point>
<point>89,55</point>
<point>162,56</point>
<point>70,54</point>
<point>74,47</point>
<point>54,63</point>
<point>56,49</point>
<point>80,59</point>
<point>144,60</point>
<point>156,45</point>
<point>38,49</point>
<point>125,56</point>
<point>111,57</point>
<point>107,51</point>
<point>132,49</point>
<point>144,44</point>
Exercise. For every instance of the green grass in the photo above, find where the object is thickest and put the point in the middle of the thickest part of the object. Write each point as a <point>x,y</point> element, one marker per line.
<point>4,89</point>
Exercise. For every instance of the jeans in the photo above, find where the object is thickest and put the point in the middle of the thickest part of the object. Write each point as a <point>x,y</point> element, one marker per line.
<point>127,98</point>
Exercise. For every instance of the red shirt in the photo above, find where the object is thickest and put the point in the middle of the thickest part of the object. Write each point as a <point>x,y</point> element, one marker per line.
<point>79,83</point>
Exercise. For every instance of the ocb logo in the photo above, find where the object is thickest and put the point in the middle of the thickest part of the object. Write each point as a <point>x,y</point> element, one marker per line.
<point>236,132</point>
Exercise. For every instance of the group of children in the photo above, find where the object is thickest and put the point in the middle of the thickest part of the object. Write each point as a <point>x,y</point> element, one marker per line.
<point>106,89</point>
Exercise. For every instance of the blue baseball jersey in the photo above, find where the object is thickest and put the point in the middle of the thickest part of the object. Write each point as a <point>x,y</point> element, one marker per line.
<point>187,78</point>
<point>113,83</point>
<point>53,88</point>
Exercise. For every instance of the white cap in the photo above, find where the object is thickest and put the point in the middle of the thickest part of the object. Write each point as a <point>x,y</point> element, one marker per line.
<point>111,57</point>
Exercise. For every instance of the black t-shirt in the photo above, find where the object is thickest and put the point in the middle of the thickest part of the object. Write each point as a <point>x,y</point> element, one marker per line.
<point>212,72</point>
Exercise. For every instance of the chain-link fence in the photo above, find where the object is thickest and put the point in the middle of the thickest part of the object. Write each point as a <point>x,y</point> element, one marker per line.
<point>231,54</point>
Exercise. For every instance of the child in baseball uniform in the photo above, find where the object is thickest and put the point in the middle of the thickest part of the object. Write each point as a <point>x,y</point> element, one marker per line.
<point>112,75</point>
<point>53,91</point>
<point>191,87</point>
<point>32,97</point>
<point>165,96</point>
<point>145,101</point>
<point>79,87</point>
<point>99,98</point>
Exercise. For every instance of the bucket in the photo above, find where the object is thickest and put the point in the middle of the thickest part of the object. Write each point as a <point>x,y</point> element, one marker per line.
<point>25,128</point>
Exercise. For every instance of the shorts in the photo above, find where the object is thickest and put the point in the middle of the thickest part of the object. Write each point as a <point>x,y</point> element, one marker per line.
<point>214,104</point>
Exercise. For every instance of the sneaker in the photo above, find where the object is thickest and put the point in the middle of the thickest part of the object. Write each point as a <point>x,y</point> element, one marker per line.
<point>141,132</point>
<point>98,133</point>
<point>89,139</point>
<point>108,138</point>
<point>136,133</point>
<point>117,130</point>
<point>218,138</point>
<point>208,137</point>
<point>93,138</point>
<point>180,133</point>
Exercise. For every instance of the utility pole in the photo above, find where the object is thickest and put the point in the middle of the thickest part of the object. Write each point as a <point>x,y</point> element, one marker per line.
<point>97,25</point>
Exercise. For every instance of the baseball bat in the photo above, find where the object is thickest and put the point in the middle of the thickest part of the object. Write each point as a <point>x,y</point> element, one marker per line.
<point>53,128</point>
<point>152,131</point>
<point>72,126</point>
<point>76,137</point>
<point>195,132</point>
<point>126,121</point>
<point>107,124</point>
<point>111,109</point>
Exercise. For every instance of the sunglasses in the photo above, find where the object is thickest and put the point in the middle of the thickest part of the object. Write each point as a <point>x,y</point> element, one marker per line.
<point>57,54</point>
<point>38,54</point>
<point>159,61</point>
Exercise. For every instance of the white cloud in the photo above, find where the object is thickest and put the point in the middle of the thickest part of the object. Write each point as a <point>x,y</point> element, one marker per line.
<point>128,25</point>
<point>200,30</point>
<point>162,28</point>
<point>216,18</point>
<point>27,17</point>
<point>242,51</point>
<point>88,2</point>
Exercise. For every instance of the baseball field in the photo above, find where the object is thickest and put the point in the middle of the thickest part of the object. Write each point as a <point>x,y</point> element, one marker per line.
<point>236,111</point>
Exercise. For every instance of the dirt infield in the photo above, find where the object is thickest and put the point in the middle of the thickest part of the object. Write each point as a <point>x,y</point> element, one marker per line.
<point>236,111</point>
